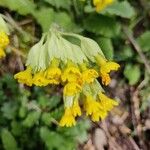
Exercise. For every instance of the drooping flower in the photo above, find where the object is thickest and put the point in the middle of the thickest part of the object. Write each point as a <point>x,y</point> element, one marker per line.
<point>101,4</point>
<point>105,68</point>
<point>106,103</point>
<point>68,118</point>
<point>90,105</point>
<point>25,77</point>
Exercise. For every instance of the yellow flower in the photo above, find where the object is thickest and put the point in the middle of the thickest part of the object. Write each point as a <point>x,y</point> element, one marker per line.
<point>4,40</point>
<point>91,106</point>
<point>100,114</point>
<point>71,89</point>
<point>76,110</point>
<point>89,75</point>
<point>2,53</point>
<point>101,4</point>
<point>106,103</point>
<point>25,76</point>
<point>53,75</point>
<point>105,70</point>
<point>68,119</point>
<point>40,80</point>
<point>71,74</point>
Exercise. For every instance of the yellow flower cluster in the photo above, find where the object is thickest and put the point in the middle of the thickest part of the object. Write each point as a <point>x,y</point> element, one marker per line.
<point>4,41</point>
<point>101,4</point>
<point>76,68</point>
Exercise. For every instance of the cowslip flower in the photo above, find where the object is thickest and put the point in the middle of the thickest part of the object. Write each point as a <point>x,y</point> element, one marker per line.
<point>101,4</point>
<point>55,60</point>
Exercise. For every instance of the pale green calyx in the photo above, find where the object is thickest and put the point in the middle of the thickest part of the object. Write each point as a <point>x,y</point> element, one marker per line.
<point>54,45</point>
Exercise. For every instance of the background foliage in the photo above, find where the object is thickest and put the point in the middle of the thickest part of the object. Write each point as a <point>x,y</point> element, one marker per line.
<point>123,32</point>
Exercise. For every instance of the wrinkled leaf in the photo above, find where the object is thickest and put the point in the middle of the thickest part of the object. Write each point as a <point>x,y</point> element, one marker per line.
<point>102,25</point>
<point>107,47</point>
<point>9,142</point>
<point>144,40</point>
<point>122,9</point>
<point>132,73</point>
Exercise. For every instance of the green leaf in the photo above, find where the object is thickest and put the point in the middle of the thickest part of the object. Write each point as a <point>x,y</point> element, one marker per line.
<point>8,140</point>
<point>60,3</point>
<point>125,53</point>
<point>23,7</point>
<point>52,139</point>
<point>144,40</point>
<point>132,73</point>
<point>107,47</point>
<point>46,118</point>
<point>44,17</point>
<point>122,9</point>
<point>9,110</point>
<point>103,25</point>
<point>65,21</point>
<point>31,119</point>
<point>16,128</point>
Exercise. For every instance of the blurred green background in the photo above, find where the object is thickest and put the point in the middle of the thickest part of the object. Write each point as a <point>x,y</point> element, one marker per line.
<point>28,115</point>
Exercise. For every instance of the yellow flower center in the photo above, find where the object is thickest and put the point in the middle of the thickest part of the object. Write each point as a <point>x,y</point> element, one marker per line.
<point>67,119</point>
<point>71,89</point>
<point>25,76</point>
<point>40,80</point>
<point>4,40</point>
<point>53,75</point>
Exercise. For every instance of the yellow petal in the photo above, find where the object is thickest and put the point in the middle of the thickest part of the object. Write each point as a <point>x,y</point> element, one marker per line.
<point>25,77</point>
<point>4,40</point>
<point>89,75</point>
<point>67,119</point>
<point>71,89</point>
<point>53,75</point>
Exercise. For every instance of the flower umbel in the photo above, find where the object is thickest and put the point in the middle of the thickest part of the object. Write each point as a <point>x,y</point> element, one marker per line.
<point>55,60</point>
